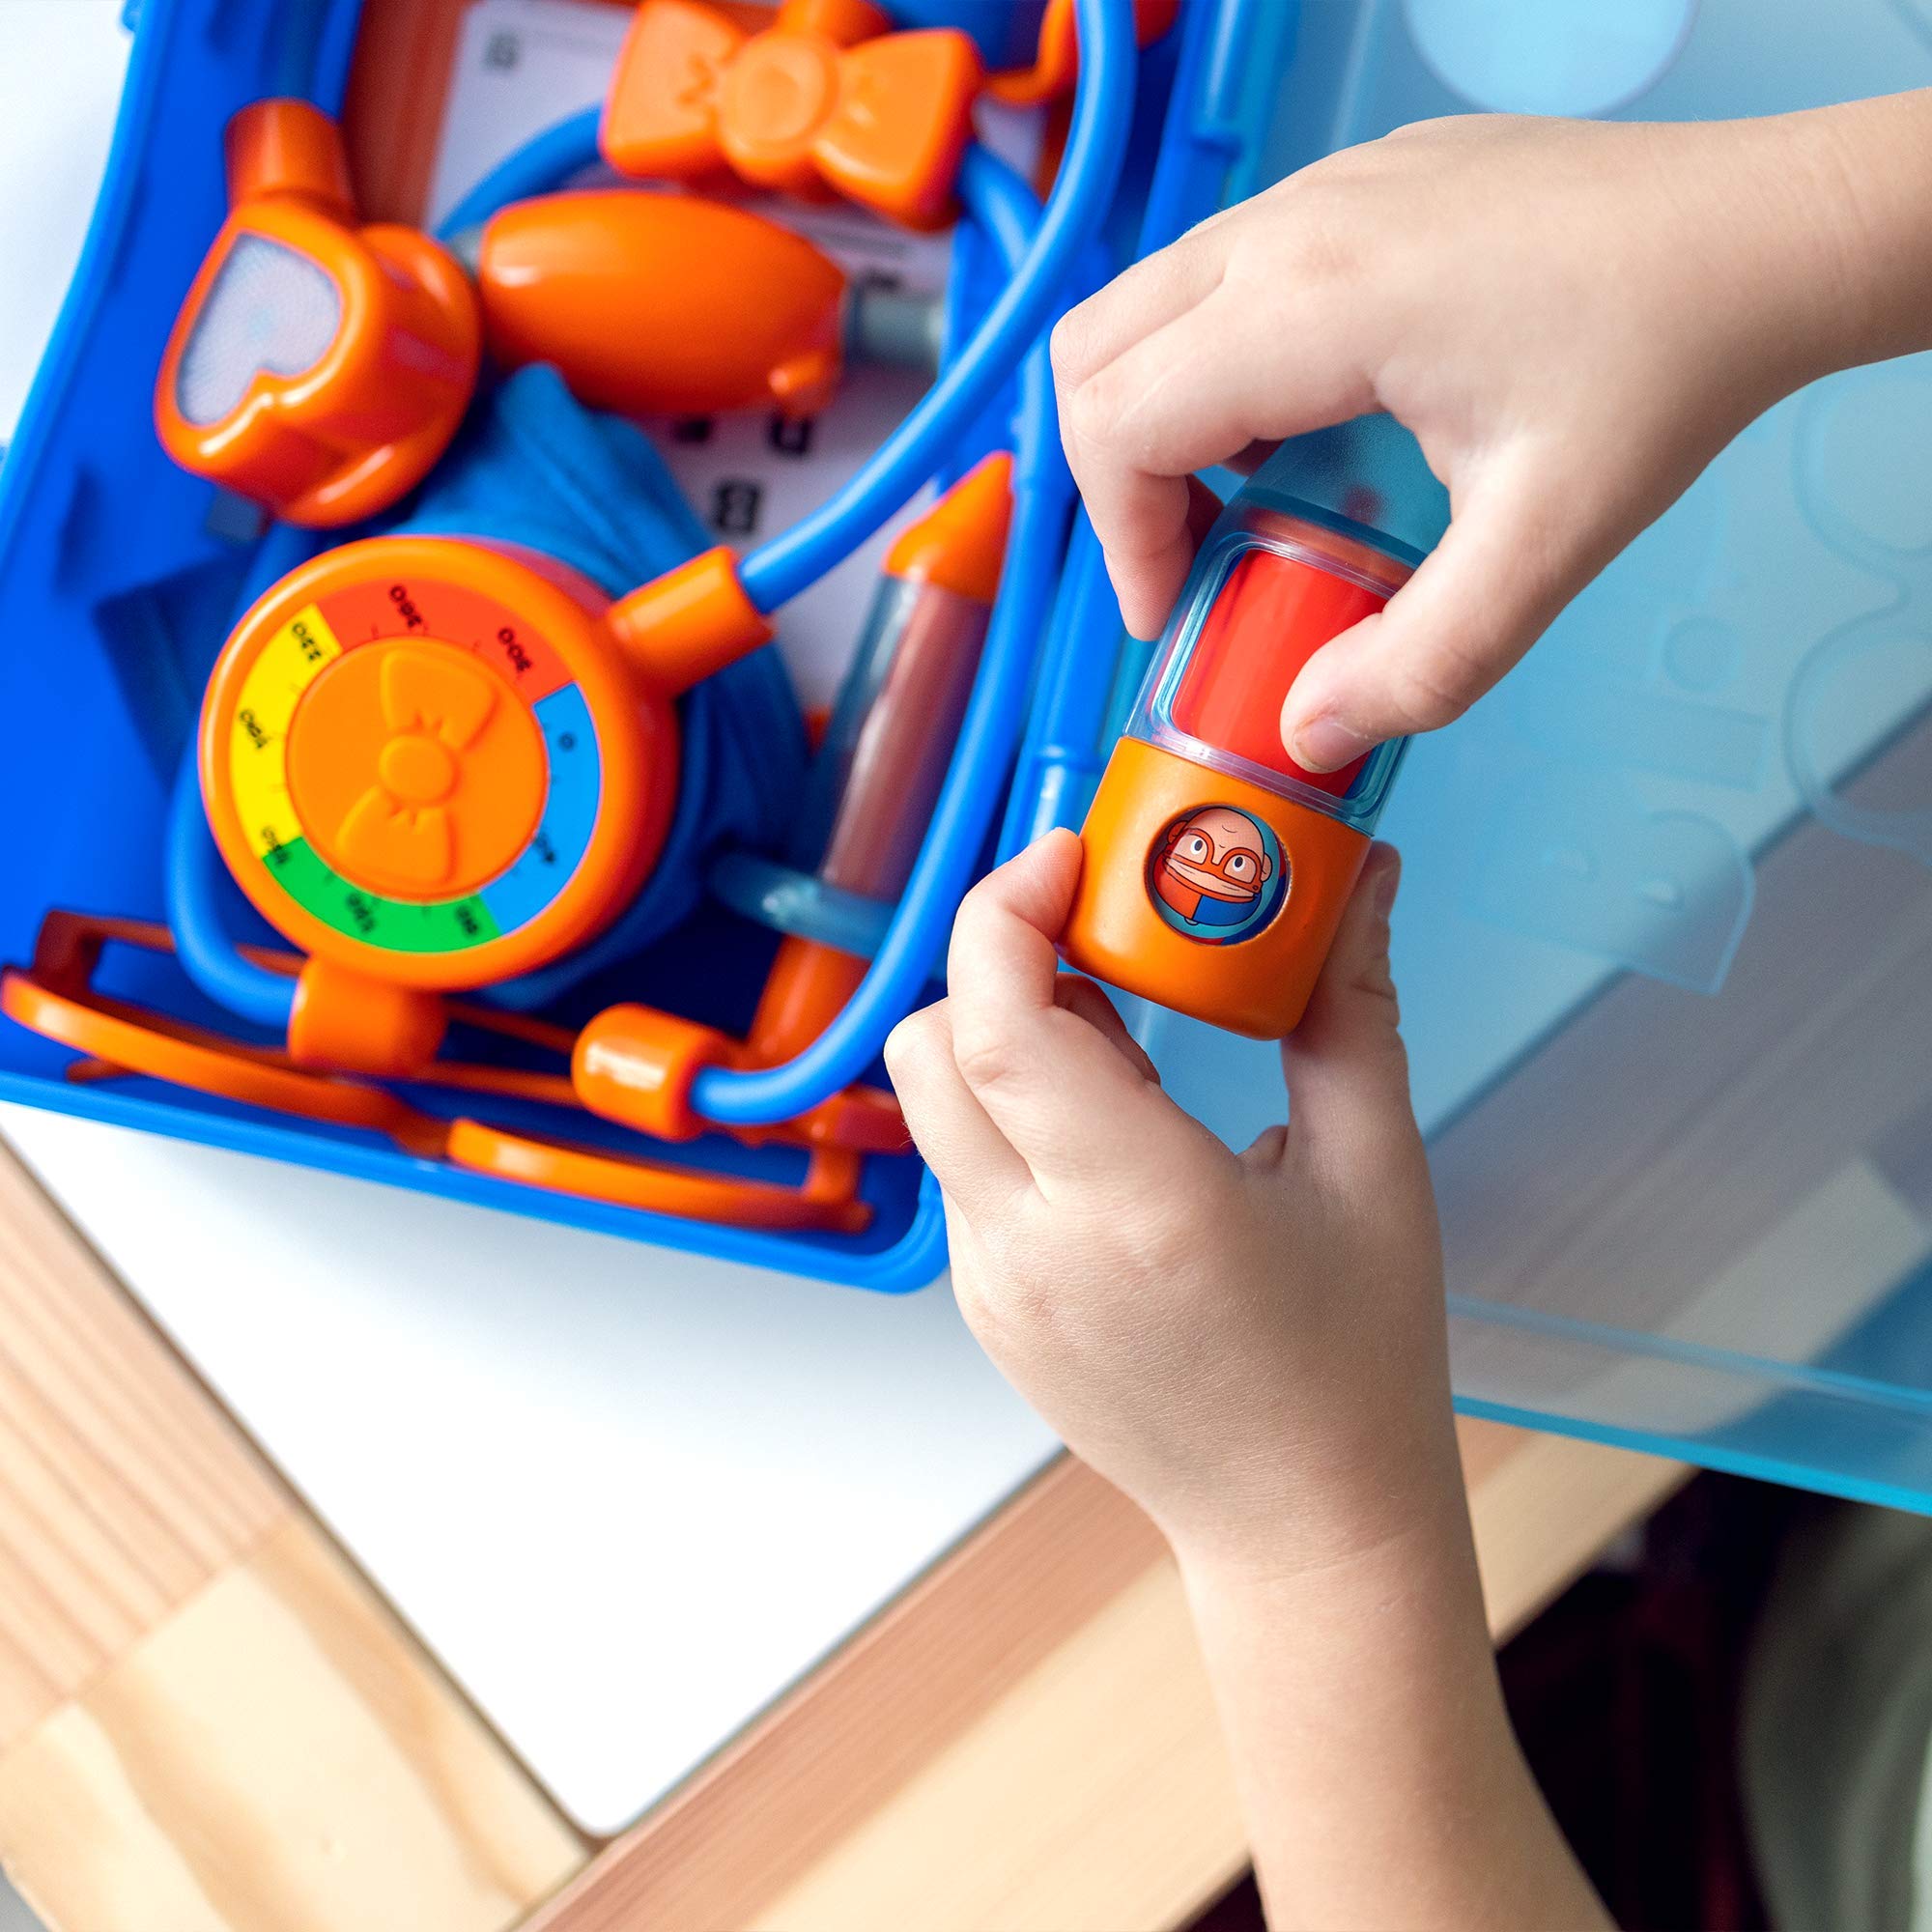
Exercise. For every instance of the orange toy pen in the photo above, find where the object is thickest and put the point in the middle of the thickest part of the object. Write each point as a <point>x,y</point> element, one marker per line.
<point>885,752</point>
<point>1216,870</point>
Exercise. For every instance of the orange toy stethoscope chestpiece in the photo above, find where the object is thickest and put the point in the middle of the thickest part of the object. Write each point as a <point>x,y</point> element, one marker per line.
<point>1215,870</point>
<point>434,763</point>
<point>317,367</point>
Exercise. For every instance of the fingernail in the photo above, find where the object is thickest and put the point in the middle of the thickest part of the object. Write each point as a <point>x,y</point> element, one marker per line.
<point>1325,744</point>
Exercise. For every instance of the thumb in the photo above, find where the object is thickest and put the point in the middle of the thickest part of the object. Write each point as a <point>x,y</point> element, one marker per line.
<point>1346,1070</point>
<point>1476,605</point>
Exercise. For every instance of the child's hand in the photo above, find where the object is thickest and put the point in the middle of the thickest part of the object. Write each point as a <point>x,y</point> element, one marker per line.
<point>1571,317</point>
<point>1252,1346</point>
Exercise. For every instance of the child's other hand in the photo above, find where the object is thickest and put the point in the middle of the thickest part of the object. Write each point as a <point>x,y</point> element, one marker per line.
<point>1252,1345</point>
<point>1571,317</point>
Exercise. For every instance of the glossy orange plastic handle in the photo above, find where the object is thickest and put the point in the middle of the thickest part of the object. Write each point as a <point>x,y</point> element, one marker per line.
<point>130,1039</point>
<point>827,1199</point>
<point>825,98</point>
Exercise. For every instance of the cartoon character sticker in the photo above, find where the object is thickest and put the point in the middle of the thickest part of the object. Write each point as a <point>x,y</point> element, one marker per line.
<point>1217,875</point>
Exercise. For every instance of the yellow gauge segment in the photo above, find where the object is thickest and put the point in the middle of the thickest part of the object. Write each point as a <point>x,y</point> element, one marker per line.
<point>289,663</point>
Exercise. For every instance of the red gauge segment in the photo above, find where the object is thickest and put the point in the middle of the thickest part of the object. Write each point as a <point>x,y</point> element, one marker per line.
<point>415,606</point>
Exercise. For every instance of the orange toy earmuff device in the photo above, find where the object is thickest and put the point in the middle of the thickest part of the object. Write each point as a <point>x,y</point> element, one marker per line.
<point>318,368</point>
<point>1216,868</point>
<point>434,763</point>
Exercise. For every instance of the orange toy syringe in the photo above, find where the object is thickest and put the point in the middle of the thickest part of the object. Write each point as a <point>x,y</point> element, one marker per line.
<point>890,738</point>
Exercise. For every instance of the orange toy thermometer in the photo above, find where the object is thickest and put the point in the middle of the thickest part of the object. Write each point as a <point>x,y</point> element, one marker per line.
<point>1216,870</point>
<point>824,101</point>
<point>434,763</point>
<point>318,368</point>
<point>891,736</point>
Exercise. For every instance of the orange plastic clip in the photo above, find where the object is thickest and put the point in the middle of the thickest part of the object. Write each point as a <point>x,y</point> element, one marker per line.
<point>824,99</point>
<point>317,368</point>
<point>689,621</point>
<point>346,1022</point>
<point>1056,62</point>
<point>826,1199</point>
<point>635,1065</point>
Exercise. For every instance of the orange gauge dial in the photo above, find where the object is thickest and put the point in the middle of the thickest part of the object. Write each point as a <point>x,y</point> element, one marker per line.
<point>429,761</point>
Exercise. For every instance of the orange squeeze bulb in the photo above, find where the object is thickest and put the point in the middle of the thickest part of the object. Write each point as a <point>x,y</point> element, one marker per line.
<point>663,303</point>
<point>824,101</point>
<point>317,367</point>
<point>892,737</point>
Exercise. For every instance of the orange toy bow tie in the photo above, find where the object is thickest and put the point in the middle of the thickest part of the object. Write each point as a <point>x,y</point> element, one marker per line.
<point>824,99</point>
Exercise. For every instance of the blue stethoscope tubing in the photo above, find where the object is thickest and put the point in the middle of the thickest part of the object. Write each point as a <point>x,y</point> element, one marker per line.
<point>973,786</point>
<point>1038,248</point>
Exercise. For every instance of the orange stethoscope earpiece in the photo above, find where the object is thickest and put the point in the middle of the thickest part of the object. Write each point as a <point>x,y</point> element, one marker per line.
<point>317,367</point>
